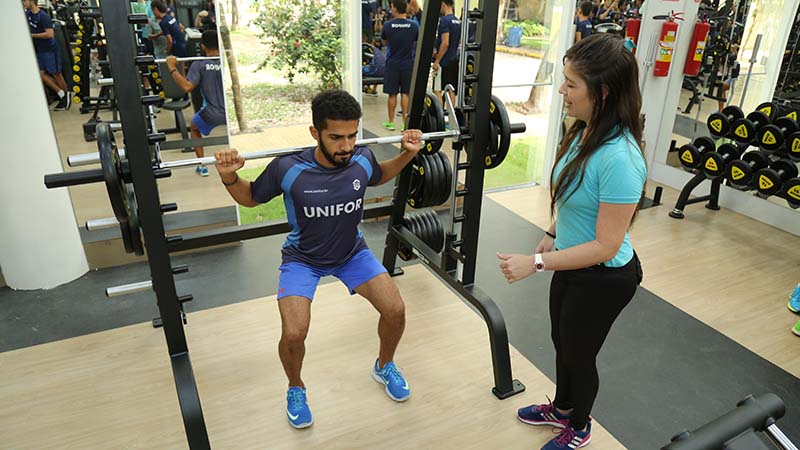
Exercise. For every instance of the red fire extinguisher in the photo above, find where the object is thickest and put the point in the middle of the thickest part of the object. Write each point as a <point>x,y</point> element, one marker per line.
<point>666,46</point>
<point>632,31</point>
<point>696,48</point>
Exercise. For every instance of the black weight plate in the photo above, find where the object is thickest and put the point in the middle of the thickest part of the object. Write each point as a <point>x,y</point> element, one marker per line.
<point>768,182</point>
<point>740,173</point>
<point>133,222</point>
<point>791,192</point>
<point>789,168</point>
<point>415,186</point>
<point>438,179</point>
<point>713,165</point>
<point>109,160</point>
<point>499,117</point>
<point>437,240</point>
<point>758,119</point>
<point>492,144</point>
<point>436,122</point>
<point>732,112</point>
<point>729,152</point>
<point>688,156</point>
<point>704,144</point>
<point>793,114</point>
<point>768,109</point>
<point>793,146</point>
<point>427,189</point>
<point>427,227</point>
<point>786,125</point>
<point>125,232</point>
<point>448,177</point>
<point>770,138</point>
<point>718,124</point>
<point>743,131</point>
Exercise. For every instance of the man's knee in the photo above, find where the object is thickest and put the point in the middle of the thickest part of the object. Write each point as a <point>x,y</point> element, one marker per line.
<point>294,335</point>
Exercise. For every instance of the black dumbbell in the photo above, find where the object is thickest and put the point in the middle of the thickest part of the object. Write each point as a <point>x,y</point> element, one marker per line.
<point>791,192</point>
<point>719,123</point>
<point>740,171</point>
<point>769,180</point>
<point>689,154</point>
<point>770,109</point>
<point>746,130</point>
<point>774,136</point>
<point>714,163</point>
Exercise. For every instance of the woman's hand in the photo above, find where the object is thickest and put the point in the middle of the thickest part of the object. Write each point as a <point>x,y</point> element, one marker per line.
<point>515,266</point>
<point>545,245</point>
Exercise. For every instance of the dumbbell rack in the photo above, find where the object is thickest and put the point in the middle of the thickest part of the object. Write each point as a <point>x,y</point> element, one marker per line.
<point>475,140</point>
<point>139,170</point>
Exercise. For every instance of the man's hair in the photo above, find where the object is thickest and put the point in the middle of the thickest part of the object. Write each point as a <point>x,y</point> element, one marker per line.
<point>400,5</point>
<point>333,105</point>
<point>586,8</point>
<point>209,39</point>
<point>159,5</point>
<point>448,3</point>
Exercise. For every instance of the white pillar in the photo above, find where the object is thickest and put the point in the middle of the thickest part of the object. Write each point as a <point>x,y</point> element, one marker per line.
<point>40,246</point>
<point>351,50</point>
<point>660,95</point>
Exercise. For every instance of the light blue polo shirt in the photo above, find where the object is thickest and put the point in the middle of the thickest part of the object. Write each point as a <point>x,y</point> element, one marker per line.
<point>614,174</point>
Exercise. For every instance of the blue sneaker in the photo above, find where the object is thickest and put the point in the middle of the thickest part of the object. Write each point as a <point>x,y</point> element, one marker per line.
<point>396,386</point>
<point>794,300</point>
<point>570,438</point>
<point>544,414</point>
<point>297,408</point>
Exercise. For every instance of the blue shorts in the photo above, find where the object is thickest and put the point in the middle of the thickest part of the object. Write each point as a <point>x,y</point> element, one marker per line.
<point>298,279</point>
<point>395,81</point>
<point>204,127</point>
<point>49,62</point>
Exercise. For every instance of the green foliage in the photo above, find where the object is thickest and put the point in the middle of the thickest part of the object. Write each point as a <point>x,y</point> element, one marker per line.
<point>272,210</point>
<point>529,27</point>
<point>305,37</point>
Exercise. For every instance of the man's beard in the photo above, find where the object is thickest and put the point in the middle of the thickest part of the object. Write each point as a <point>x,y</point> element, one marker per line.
<point>332,158</point>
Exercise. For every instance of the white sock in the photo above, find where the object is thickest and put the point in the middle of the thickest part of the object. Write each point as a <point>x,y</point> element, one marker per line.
<point>61,94</point>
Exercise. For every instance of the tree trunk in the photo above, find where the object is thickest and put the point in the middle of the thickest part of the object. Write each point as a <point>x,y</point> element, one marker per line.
<point>234,15</point>
<point>231,58</point>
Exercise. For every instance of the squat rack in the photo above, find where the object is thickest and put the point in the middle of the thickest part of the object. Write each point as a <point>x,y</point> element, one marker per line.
<point>456,265</point>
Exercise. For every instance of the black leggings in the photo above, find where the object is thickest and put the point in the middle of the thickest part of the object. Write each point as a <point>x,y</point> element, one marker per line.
<point>583,305</point>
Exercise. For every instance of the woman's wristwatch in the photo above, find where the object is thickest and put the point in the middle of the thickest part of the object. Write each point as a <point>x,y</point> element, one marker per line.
<point>538,262</point>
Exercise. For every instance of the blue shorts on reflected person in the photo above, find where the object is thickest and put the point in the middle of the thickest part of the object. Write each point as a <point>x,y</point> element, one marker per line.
<point>204,127</point>
<point>299,279</point>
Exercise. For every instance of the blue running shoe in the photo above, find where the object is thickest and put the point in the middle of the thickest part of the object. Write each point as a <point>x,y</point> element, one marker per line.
<point>544,414</point>
<point>570,438</point>
<point>794,300</point>
<point>297,408</point>
<point>396,386</point>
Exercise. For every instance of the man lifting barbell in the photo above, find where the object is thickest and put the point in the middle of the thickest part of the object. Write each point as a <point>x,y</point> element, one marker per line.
<point>323,189</point>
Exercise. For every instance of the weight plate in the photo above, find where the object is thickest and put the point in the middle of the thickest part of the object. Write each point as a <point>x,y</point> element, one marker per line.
<point>740,173</point>
<point>125,232</point>
<point>427,228</point>
<point>768,182</point>
<point>788,167</point>
<point>416,184</point>
<point>688,156</point>
<point>743,131</point>
<point>786,125</point>
<point>436,122</point>
<point>792,115</point>
<point>448,178</point>
<point>791,192</point>
<point>437,231</point>
<point>133,222</point>
<point>426,184</point>
<point>770,138</point>
<point>704,144</point>
<point>793,146</point>
<point>718,124</point>
<point>758,119</point>
<point>733,112</point>
<point>713,165</point>
<point>499,117</point>
<point>109,160</point>
<point>768,109</point>
<point>437,175</point>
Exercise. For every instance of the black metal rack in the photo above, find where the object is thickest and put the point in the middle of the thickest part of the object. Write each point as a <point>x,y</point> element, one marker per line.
<point>132,101</point>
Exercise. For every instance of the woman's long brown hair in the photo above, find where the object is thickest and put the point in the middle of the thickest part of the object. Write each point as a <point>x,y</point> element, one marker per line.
<point>602,61</point>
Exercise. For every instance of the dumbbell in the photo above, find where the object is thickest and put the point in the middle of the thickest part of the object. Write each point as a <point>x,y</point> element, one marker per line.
<point>770,109</point>
<point>715,162</point>
<point>774,136</point>
<point>746,130</point>
<point>719,123</point>
<point>689,154</point>
<point>791,192</point>
<point>771,179</point>
<point>740,171</point>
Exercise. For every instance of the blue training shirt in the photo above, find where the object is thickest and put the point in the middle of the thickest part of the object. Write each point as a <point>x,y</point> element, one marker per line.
<point>368,10</point>
<point>323,206</point>
<point>171,26</point>
<point>449,24</point>
<point>584,27</point>
<point>614,174</point>
<point>401,36</point>
<point>39,23</point>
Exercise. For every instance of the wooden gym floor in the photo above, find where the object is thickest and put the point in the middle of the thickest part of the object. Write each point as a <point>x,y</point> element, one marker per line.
<point>114,389</point>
